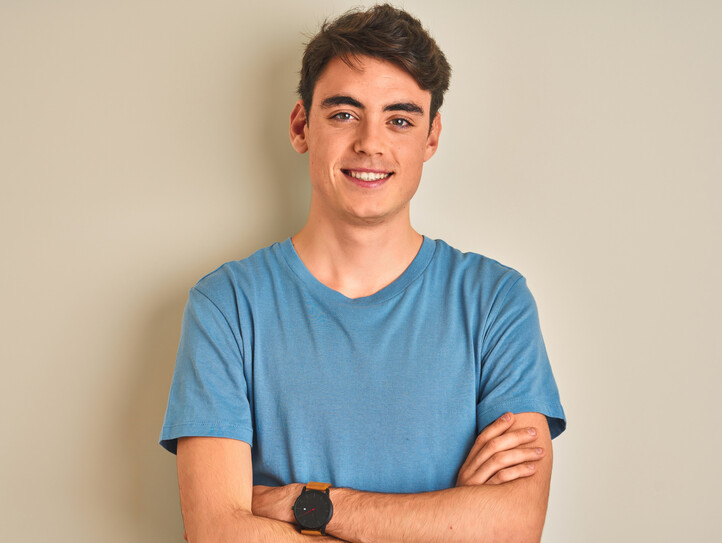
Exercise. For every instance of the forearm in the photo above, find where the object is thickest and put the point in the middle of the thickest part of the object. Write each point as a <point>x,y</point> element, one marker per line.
<point>469,513</point>
<point>215,483</point>
<point>482,507</point>
<point>244,527</point>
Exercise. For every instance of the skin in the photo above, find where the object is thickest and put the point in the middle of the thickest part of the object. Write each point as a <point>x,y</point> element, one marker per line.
<point>370,117</point>
<point>358,237</point>
<point>220,503</point>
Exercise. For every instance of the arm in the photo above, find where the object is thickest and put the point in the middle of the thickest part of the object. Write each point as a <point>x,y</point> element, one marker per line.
<point>513,511</point>
<point>216,488</point>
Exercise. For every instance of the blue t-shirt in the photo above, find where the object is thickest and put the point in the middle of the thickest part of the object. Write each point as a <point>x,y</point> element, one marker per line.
<point>383,393</point>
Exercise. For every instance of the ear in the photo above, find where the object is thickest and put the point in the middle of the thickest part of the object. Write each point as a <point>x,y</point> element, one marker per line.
<point>299,125</point>
<point>432,141</point>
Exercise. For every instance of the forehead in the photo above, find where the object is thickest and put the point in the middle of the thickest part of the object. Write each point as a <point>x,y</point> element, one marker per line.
<point>369,80</point>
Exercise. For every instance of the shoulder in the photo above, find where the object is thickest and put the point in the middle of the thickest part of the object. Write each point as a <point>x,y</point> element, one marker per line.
<point>483,287</point>
<point>474,272</point>
<point>239,279</point>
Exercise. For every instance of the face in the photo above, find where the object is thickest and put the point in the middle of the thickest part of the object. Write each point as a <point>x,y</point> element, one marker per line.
<point>367,137</point>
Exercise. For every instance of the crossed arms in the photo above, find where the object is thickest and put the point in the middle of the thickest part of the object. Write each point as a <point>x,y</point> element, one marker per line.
<point>501,495</point>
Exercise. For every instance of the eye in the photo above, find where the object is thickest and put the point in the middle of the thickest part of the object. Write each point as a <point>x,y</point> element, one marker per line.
<point>400,122</point>
<point>342,116</point>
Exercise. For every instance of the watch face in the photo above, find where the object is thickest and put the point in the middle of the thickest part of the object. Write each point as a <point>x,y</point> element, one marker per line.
<point>312,509</point>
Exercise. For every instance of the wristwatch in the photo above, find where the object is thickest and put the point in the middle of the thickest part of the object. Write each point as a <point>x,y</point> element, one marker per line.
<point>313,509</point>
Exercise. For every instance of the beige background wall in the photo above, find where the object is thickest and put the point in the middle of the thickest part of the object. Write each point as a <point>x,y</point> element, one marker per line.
<point>143,143</point>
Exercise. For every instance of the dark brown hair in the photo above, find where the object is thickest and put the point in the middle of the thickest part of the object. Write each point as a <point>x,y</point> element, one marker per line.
<point>383,32</point>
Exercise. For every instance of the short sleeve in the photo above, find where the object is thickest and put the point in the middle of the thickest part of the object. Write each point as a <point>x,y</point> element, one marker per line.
<point>515,372</point>
<point>208,394</point>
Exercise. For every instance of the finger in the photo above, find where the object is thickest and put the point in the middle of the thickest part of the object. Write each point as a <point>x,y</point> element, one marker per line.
<point>503,442</point>
<point>500,461</point>
<point>496,428</point>
<point>505,460</point>
<point>513,473</point>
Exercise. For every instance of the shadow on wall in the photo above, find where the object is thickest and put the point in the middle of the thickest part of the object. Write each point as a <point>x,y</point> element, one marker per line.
<point>152,504</point>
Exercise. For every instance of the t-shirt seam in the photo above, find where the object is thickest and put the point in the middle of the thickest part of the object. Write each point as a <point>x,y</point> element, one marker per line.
<point>506,294</point>
<point>230,327</point>
<point>169,432</point>
<point>488,324</point>
<point>418,276</point>
<point>352,302</point>
<point>528,401</point>
<point>201,423</point>
<point>492,307</point>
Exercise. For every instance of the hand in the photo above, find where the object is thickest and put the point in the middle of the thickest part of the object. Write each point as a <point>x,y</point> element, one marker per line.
<point>499,455</point>
<point>275,502</point>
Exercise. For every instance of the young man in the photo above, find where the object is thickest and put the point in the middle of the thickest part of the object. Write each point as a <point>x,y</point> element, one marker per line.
<point>359,353</point>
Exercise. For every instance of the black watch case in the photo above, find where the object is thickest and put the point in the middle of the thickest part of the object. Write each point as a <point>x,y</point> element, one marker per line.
<point>313,509</point>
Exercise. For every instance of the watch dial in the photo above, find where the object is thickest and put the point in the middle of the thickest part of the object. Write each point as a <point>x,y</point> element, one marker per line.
<point>312,509</point>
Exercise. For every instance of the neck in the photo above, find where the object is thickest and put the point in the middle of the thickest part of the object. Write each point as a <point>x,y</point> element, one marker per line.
<point>357,260</point>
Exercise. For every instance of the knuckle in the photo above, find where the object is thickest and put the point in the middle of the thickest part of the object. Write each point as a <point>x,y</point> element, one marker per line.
<point>467,479</point>
<point>502,476</point>
<point>501,421</point>
<point>497,459</point>
<point>495,443</point>
<point>530,455</point>
<point>481,438</point>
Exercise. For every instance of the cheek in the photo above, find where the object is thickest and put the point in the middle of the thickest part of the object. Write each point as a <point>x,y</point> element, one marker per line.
<point>315,157</point>
<point>323,154</point>
<point>321,169</point>
<point>417,158</point>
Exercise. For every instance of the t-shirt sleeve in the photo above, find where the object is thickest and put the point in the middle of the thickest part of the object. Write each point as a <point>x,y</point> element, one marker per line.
<point>208,394</point>
<point>515,372</point>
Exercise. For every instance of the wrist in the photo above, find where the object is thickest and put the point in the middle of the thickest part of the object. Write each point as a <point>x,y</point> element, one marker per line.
<point>339,497</point>
<point>275,502</point>
<point>294,490</point>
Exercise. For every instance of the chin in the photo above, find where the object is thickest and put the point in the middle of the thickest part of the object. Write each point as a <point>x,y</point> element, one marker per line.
<point>373,217</point>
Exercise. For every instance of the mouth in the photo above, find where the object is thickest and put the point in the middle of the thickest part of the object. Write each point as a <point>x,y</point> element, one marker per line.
<point>367,177</point>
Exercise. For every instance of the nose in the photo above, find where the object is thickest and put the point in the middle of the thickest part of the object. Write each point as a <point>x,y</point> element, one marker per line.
<point>369,138</point>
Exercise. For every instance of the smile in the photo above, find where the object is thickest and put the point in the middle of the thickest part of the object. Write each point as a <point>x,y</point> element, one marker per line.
<point>367,176</point>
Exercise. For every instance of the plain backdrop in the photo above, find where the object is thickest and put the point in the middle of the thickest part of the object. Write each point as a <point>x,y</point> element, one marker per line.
<point>144,143</point>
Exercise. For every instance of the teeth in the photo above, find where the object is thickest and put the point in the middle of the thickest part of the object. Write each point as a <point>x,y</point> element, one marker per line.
<point>368,176</point>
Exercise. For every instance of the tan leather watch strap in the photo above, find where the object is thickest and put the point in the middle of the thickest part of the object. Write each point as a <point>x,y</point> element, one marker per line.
<point>311,532</point>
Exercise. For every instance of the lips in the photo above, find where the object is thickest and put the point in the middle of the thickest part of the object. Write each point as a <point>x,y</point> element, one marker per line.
<point>367,175</point>
<point>367,178</point>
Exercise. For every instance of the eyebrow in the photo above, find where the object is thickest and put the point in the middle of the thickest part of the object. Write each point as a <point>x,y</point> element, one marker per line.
<point>408,107</point>
<point>340,99</point>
